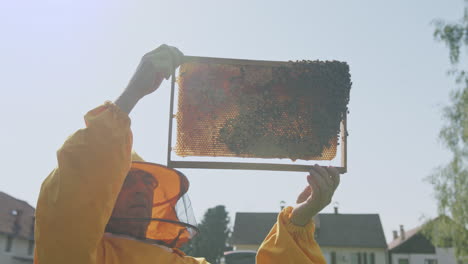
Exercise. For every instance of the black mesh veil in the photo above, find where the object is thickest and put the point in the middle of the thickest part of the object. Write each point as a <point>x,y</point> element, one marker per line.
<point>172,221</point>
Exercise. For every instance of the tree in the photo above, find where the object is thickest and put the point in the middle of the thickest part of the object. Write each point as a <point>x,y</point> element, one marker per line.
<point>436,231</point>
<point>450,181</point>
<point>211,242</point>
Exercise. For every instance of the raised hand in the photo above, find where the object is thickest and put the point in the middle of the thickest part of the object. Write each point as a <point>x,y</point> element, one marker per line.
<point>318,194</point>
<point>154,67</point>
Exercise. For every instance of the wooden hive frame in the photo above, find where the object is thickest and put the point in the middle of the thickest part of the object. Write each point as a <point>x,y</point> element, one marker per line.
<point>243,165</point>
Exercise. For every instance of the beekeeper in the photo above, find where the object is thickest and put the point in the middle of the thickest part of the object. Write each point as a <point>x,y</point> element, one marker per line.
<point>104,204</point>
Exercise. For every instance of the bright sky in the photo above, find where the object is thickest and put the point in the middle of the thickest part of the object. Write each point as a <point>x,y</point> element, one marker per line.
<point>60,59</point>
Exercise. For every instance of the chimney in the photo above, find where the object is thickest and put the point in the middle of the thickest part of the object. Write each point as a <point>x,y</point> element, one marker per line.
<point>335,207</point>
<point>402,232</point>
<point>282,203</point>
<point>395,234</point>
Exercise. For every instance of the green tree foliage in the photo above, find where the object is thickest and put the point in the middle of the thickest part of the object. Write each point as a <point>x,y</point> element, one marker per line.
<point>441,230</point>
<point>450,181</point>
<point>211,242</point>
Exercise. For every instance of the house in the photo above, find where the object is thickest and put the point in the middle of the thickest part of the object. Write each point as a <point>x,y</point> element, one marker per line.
<point>16,230</point>
<point>343,238</point>
<point>412,247</point>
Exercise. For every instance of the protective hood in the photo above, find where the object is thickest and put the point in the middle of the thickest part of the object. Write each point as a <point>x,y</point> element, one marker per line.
<point>173,223</point>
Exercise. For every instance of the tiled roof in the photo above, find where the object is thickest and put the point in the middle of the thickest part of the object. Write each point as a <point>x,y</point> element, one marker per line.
<point>398,241</point>
<point>336,230</point>
<point>252,228</point>
<point>351,230</point>
<point>16,217</point>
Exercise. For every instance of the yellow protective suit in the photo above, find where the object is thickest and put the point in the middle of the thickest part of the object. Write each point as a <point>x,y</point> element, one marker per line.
<point>77,198</point>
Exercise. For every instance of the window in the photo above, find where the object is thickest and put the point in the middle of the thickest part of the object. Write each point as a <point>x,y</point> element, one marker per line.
<point>403,261</point>
<point>31,247</point>
<point>363,258</point>
<point>430,261</point>
<point>9,244</point>
<point>333,257</point>
<point>372,258</point>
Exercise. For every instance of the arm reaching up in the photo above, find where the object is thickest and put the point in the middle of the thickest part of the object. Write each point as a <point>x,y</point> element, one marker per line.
<point>154,67</point>
<point>291,240</point>
<point>77,198</point>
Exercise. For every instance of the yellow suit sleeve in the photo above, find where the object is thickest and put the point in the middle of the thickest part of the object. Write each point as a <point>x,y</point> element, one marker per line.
<point>288,243</point>
<point>77,198</point>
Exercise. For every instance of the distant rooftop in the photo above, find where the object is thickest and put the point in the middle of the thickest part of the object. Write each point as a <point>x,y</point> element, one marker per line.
<point>335,230</point>
<point>414,241</point>
<point>408,234</point>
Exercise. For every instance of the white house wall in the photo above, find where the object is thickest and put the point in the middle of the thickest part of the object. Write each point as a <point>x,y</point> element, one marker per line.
<point>345,255</point>
<point>414,258</point>
<point>3,257</point>
<point>446,255</point>
<point>19,248</point>
<point>442,255</point>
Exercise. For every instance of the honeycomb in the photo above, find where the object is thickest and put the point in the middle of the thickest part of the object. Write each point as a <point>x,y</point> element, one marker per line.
<point>227,110</point>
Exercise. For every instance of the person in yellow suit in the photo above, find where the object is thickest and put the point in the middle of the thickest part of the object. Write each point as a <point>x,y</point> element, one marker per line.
<point>104,204</point>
